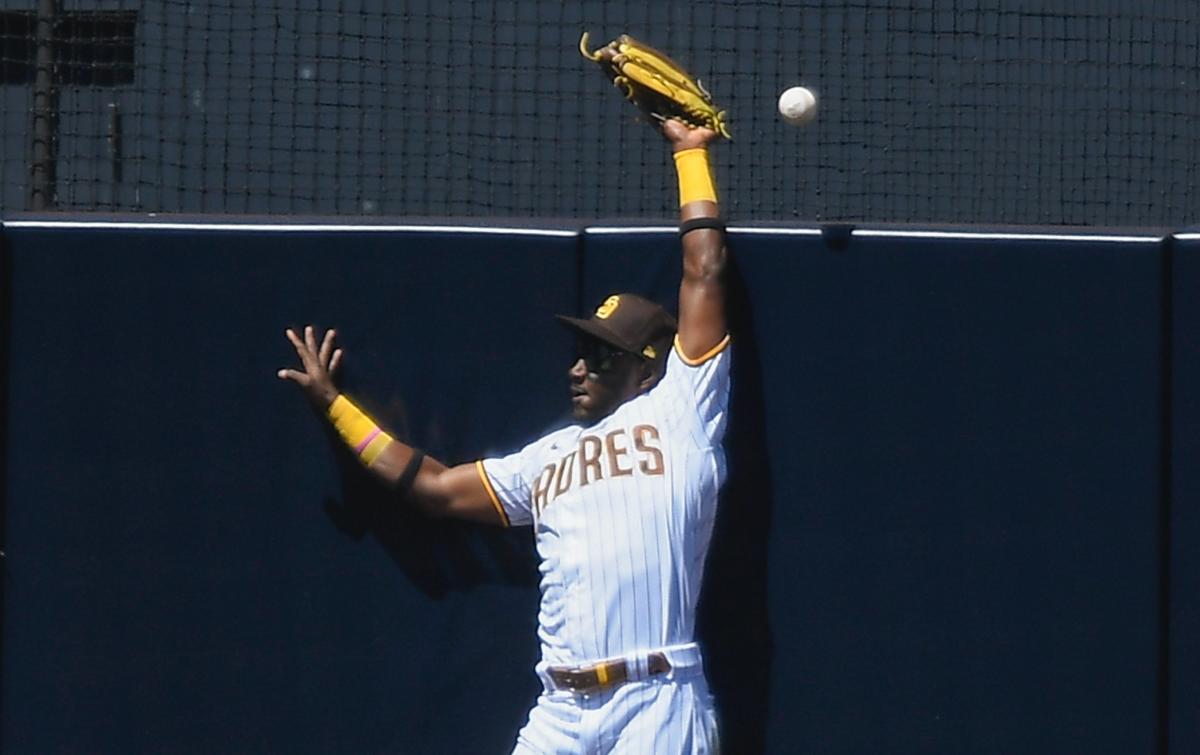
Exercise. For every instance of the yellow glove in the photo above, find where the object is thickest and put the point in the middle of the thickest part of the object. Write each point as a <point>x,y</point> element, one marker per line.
<point>659,86</point>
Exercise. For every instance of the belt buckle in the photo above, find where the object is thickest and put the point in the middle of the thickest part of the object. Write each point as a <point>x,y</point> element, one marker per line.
<point>590,679</point>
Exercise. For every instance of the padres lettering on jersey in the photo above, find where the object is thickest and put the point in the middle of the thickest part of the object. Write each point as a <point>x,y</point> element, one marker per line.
<point>597,457</point>
<point>622,513</point>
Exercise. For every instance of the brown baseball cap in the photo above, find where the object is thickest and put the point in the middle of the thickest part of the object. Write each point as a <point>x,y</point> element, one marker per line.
<point>629,322</point>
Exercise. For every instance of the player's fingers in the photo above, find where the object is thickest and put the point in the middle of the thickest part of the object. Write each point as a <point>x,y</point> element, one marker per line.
<point>326,347</point>
<point>306,356</point>
<point>295,339</point>
<point>293,375</point>
<point>336,361</point>
<point>310,338</point>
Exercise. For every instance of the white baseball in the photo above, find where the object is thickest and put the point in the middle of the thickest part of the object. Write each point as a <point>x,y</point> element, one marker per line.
<point>798,105</point>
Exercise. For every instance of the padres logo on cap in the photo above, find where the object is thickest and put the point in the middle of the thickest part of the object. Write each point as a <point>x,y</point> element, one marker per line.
<point>608,307</point>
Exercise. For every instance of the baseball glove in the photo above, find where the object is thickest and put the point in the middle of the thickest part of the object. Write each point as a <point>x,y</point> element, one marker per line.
<point>659,86</point>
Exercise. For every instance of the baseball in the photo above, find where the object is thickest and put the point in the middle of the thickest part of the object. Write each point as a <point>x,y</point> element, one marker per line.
<point>798,105</point>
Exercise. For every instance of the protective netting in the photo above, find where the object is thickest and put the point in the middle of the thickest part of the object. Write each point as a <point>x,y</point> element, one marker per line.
<point>981,111</point>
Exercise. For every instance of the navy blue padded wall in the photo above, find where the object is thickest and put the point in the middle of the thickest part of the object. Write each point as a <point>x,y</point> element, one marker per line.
<point>962,442</point>
<point>944,467</point>
<point>192,566</point>
<point>5,295</point>
<point>1185,497</point>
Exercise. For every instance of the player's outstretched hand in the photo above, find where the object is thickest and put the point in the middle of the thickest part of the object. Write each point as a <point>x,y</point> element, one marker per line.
<point>320,366</point>
<point>682,136</point>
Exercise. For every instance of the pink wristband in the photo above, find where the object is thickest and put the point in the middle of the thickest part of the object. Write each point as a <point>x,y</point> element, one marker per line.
<point>367,441</point>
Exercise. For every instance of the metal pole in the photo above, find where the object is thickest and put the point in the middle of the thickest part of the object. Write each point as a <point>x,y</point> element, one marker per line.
<point>42,195</point>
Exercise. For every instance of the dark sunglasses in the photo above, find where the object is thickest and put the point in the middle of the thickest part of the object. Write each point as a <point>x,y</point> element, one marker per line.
<point>598,356</point>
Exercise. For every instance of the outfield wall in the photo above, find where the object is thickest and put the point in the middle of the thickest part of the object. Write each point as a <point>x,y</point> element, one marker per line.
<point>957,462</point>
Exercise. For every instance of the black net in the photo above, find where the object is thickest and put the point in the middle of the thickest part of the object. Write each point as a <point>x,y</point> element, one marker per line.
<point>1078,112</point>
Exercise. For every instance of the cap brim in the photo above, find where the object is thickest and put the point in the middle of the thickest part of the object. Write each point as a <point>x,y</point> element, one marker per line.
<point>596,330</point>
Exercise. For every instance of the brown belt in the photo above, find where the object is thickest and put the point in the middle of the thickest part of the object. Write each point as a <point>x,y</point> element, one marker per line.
<point>603,675</point>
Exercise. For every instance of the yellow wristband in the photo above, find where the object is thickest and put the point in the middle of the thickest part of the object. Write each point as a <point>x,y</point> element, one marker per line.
<point>695,176</point>
<point>358,430</point>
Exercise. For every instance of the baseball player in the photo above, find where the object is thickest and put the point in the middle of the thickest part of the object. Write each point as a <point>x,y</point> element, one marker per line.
<point>621,502</point>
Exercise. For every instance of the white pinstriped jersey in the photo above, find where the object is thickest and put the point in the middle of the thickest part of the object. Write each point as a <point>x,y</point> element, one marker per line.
<point>623,513</point>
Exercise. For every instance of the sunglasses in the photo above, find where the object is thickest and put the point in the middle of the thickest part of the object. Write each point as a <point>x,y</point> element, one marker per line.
<point>598,356</point>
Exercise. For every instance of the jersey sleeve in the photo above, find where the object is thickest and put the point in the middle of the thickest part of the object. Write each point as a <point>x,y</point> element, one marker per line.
<point>507,481</point>
<point>700,384</point>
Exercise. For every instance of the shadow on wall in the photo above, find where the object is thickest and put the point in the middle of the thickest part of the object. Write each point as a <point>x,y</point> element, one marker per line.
<point>732,617</point>
<point>439,556</point>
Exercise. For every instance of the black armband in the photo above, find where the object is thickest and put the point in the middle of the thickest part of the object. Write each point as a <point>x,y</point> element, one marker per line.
<point>695,224</point>
<point>409,475</point>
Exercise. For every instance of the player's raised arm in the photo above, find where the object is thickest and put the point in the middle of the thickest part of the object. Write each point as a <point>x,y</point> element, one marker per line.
<point>437,489</point>
<point>702,324</point>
